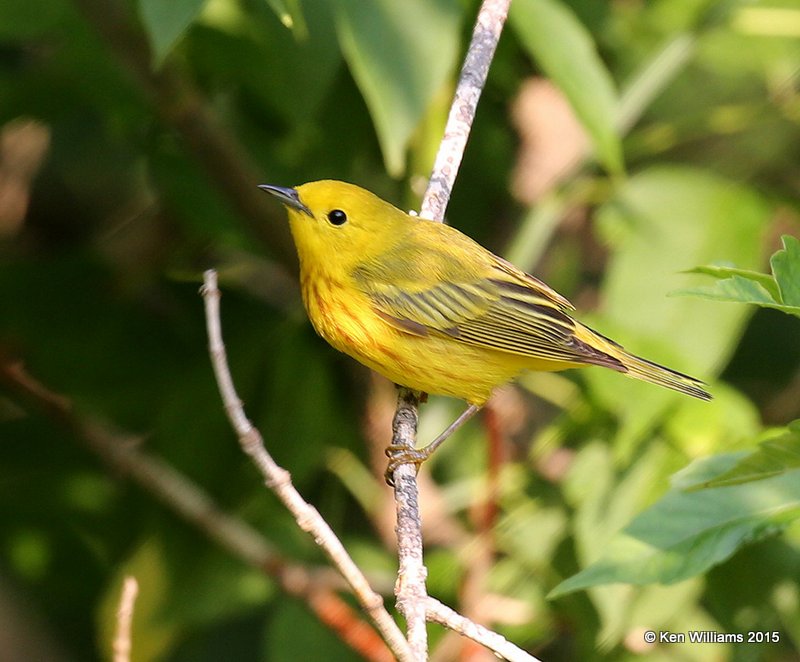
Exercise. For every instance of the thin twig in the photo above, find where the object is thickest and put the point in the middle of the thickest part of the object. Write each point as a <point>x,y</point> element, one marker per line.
<point>316,587</point>
<point>278,479</point>
<point>442,614</point>
<point>410,590</point>
<point>122,636</point>
<point>485,35</point>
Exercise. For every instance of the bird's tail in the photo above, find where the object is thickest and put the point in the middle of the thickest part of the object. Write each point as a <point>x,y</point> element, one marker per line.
<point>658,374</point>
<point>639,368</point>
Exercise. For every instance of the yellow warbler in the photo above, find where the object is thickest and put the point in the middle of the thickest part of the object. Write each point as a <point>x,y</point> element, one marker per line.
<point>429,308</point>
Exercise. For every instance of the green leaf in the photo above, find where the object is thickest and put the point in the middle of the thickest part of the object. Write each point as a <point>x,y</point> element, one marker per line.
<point>229,41</point>
<point>780,291</point>
<point>786,269</point>
<point>686,533</point>
<point>165,22</point>
<point>400,54</point>
<point>293,633</point>
<point>666,220</point>
<point>721,271</point>
<point>733,289</point>
<point>565,51</point>
<point>774,457</point>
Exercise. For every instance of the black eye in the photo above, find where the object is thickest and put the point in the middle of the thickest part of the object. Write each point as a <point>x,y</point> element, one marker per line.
<point>337,217</point>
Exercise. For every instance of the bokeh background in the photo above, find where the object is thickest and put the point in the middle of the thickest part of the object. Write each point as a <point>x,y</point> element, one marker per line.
<point>617,145</point>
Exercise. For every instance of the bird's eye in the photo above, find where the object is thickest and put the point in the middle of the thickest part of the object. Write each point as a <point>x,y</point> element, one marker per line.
<point>337,217</point>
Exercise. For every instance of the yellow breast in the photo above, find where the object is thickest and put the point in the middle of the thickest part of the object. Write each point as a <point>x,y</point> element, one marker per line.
<point>437,365</point>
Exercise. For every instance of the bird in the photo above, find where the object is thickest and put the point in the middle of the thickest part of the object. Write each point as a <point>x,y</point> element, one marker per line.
<point>431,309</point>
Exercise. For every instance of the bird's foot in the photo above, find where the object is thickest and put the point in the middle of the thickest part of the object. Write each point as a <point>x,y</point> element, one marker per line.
<point>399,454</point>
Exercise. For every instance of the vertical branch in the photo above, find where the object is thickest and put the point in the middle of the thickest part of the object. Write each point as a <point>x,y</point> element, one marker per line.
<point>410,589</point>
<point>411,573</point>
<point>122,637</point>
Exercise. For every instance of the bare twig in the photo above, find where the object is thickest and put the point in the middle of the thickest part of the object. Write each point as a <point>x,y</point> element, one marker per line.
<point>316,587</point>
<point>488,26</point>
<point>278,479</point>
<point>410,589</point>
<point>122,636</point>
<point>439,613</point>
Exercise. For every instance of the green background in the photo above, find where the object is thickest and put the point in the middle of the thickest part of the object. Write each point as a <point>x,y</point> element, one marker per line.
<point>133,137</point>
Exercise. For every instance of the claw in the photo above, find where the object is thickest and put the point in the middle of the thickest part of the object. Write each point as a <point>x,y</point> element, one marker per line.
<point>399,454</point>
<point>402,455</point>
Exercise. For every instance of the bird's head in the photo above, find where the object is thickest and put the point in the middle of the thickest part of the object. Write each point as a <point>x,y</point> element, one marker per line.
<point>338,223</point>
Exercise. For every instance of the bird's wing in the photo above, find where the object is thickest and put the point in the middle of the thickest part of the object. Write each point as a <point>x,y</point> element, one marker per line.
<point>496,306</point>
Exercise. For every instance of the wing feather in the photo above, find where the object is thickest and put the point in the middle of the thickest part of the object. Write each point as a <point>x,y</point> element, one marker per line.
<point>501,308</point>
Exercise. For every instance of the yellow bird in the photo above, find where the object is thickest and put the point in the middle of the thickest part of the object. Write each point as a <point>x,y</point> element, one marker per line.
<point>431,309</point>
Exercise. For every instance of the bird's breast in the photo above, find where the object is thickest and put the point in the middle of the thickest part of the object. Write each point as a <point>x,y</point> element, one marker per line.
<point>340,314</point>
<point>344,317</point>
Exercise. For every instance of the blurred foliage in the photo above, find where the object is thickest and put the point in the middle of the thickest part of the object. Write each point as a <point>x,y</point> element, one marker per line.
<point>132,136</point>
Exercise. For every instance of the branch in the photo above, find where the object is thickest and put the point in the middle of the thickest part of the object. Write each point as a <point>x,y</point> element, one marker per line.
<point>439,613</point>
<point>485,35</point>
<point>278,480</point>
<point>315,587</point>
<point>410,590</point>
<point>122,636</point>
<point>411,573</point>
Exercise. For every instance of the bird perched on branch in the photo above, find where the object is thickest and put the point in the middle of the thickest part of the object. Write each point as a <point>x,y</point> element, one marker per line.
<point>431,309</point>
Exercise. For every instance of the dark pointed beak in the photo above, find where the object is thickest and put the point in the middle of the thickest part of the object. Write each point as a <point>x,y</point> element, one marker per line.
<point>288,196</point>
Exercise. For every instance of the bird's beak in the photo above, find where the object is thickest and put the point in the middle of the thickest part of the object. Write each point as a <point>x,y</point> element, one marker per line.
<point>288,196</point>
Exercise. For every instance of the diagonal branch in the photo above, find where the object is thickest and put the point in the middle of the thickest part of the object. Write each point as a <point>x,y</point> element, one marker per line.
<point>278,480</point>
<point>488,27</point>
<point>439,613</point>
<point>316,587</point>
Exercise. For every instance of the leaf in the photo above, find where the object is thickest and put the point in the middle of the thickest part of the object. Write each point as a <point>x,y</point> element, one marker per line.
<point>665,220</point>
<point>686,533</point>
<point>780,291</point>
<point>400,54</point>
<point>293,633</point>
<point>229,40</point>
<point>564,50</point>
<point>724,271</point>
<point>605,500</point>
<point>786,270</point>
<point>774,457</point>
<point>165,22</point>
<point>733,289</point>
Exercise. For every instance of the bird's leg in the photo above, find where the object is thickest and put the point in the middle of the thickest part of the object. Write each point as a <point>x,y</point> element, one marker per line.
<point>402,455</point>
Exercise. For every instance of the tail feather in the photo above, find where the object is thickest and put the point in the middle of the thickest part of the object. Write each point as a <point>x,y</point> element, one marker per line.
<point>637,367</point>
<point>658,374</point>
